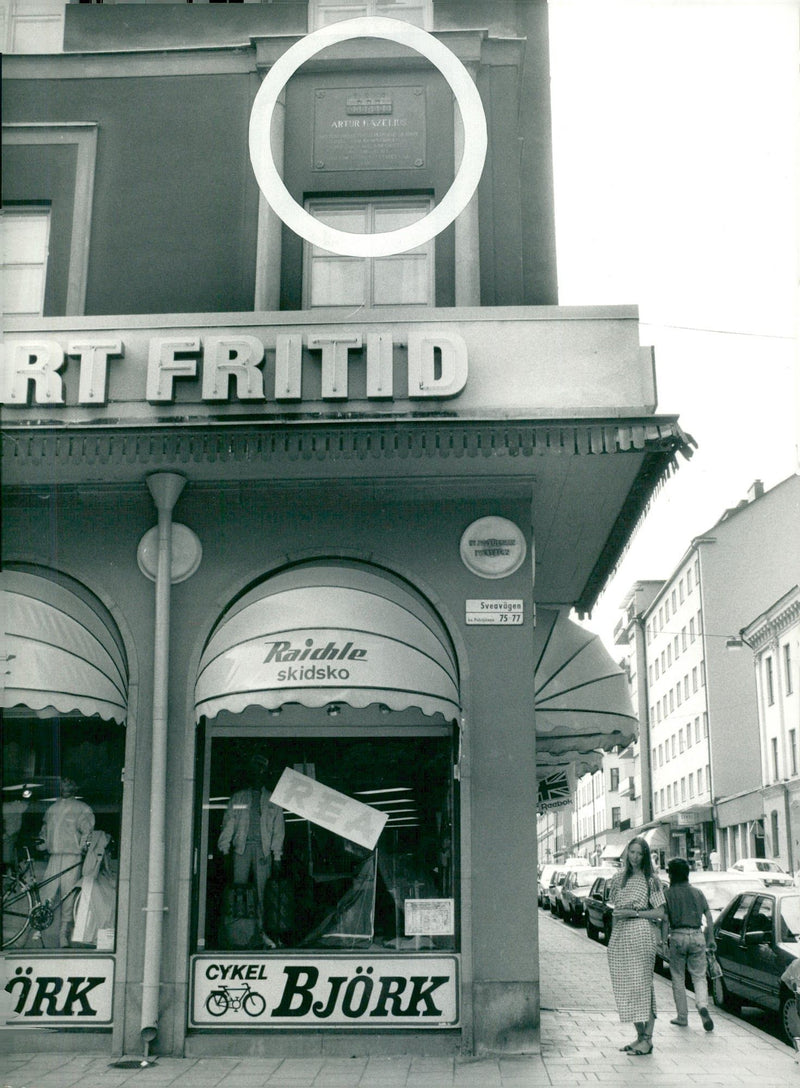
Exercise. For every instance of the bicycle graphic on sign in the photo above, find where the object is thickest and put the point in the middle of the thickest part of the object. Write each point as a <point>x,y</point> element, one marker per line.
<point>219,1001</point>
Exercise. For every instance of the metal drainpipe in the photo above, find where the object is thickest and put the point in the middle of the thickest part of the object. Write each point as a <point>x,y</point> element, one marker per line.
<point>165,487</point>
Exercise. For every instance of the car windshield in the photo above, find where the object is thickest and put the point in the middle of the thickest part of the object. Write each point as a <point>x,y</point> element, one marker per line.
<point>720,892</point>
<point>585,879</point>
<point>790,918</point>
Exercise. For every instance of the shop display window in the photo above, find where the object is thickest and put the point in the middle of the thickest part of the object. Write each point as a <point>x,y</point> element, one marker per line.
<point>62,801</point>
<point>271,879</point>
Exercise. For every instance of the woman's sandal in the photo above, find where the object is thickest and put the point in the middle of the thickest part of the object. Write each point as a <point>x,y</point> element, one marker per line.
<point>630,1047</point>
<point>642,1047</point>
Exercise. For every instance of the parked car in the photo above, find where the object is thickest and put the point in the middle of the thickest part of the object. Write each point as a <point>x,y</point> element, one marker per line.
<point>546,887</point>
<point>791,979</point>
<point>554,891</point>
<point>597,911</point>
<point>544,883</point>
<point>719,887</point>
<point>758,938</point>
<point>770,871</point>
<point>576,888</point>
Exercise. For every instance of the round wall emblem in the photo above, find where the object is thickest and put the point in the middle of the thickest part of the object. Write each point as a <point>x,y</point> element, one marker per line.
<point>394,241</point>
<point>493,547</point>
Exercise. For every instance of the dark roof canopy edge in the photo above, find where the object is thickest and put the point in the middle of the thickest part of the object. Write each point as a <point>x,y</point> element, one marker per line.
<point>659,464</point>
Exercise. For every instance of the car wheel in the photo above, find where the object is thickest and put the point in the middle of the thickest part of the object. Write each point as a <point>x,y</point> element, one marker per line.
<point>722,996</point>
<point>591,932</point>
<point>790,1017</point>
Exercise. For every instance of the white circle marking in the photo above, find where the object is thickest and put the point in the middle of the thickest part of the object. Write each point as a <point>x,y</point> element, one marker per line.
<point>394,241</point>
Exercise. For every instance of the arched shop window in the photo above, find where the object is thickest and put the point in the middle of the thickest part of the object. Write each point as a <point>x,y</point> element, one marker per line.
<point>347,713</point>
<point>64,707</point>
<point>318,888</point>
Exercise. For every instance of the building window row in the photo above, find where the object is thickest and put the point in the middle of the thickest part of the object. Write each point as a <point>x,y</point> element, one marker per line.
<point>667,704</point>
<point>673,600</point>
<point>687,788</point>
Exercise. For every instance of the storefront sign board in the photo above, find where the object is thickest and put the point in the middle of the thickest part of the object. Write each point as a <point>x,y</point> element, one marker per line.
<point>56,991</point>
<point>495,611</point>
<point>324,992</point>
<point>328,808</point>
<point>509,363</point>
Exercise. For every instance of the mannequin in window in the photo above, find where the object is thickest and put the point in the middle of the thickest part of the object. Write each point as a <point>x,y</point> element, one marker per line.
<point>67,825</point>
<point>255,828</point>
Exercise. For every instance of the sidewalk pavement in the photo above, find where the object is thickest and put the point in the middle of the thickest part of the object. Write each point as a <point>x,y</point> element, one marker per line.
<point>580,1040</point>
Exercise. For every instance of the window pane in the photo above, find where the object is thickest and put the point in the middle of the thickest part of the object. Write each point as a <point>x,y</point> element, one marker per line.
<point>37,34</point>
<point>352,219</point>
<point>23,289</point>
<point>394,218</point>
<point>410,11</point>
<point>400,280</point>
<point>24,237</point>
<point>336,13</point>
<point>337,282</point>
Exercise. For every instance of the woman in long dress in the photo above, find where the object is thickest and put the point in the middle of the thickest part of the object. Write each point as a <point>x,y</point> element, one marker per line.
<point>638,910</point>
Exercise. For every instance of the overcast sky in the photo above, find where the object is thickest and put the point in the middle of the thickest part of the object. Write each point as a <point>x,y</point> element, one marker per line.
<point>677,162</point>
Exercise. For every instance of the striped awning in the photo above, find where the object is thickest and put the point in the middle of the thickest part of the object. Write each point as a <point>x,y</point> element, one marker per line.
<point>328,633</point>
<point>59,654</point>
<point>582,702</point>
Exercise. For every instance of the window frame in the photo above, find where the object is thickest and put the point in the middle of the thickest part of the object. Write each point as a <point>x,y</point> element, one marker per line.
<point>371,6</point>
<point>20,212</point>
<point>16,13</point>
<point>371,202</point>
<point>83,134</point>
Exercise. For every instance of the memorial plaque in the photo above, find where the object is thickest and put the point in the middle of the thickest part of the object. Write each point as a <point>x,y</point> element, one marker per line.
<point>369,128</point>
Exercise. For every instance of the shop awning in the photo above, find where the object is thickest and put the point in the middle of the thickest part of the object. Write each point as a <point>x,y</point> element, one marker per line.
<point>613,851</point>
<point>582,701</point>
<point>657,838</point>
<point>322,634</point>
<point>60,656</point>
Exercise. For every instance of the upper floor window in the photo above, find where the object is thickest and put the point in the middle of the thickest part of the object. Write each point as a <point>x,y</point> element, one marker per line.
<point>769,681</point>
<point>32,26</point>
<point>614,779</point>
<point>403,279</point>
<point>25,235</point>
<point>787,668</point>
<point>323,12</point>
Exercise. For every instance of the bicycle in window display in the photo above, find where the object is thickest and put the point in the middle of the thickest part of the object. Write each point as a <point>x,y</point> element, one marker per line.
<point>24,908</point>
